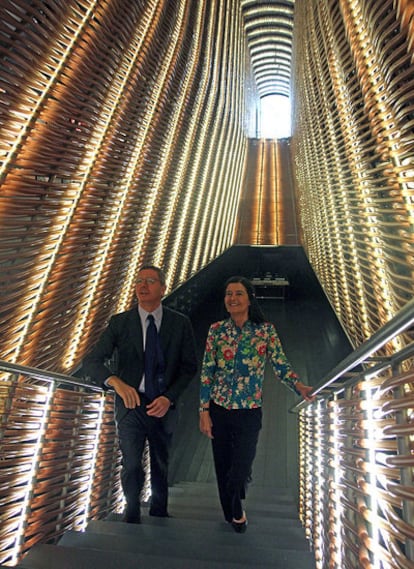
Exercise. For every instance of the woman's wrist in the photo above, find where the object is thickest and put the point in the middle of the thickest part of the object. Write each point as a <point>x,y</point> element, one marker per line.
<point>203,409</point>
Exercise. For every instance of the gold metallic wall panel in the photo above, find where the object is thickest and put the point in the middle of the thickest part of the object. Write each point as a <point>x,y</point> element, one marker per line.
<point>123,137</point>
<point>59,457</point>
<point>353,150</point>
<point>356,463</point>
<point>122,141</point>
<point>287,225</point>
<point>267,209</point>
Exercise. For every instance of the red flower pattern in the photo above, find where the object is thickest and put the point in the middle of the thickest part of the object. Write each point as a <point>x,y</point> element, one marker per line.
<point>234,362</point>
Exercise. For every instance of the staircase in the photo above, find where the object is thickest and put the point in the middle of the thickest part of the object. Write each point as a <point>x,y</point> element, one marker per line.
<point>195,537</point>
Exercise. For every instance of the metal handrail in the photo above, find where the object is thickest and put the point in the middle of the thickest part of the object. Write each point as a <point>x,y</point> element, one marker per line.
<point>403,320</point>
<point>46,375</point>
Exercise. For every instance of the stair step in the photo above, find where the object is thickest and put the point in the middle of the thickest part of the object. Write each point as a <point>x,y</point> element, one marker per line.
<point>272,535</point>
<point>258,499</point>
<point>59,557</point>
<point>196,537</point>
<point>266,522</point>
<point>179,494</point>
<point>228,547</point>
<point>52,557</point>
<point>268,493</point>
<point>202,505</point>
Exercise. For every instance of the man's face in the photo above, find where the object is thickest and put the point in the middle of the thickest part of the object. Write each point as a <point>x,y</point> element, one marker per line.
<point>148,289</point>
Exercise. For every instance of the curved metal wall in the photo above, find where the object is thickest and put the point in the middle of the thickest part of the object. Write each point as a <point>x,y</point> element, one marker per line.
<point>353,148</point>
<point>123,134</point>
<point>122,141</point>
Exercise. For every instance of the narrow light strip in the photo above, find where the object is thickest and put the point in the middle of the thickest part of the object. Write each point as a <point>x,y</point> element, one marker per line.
<point>88,495</point>
<point>369,405</point>
<point>187,150</point>
<point>38,101</point>
<point>82,316</point>
<point>338,475</point>
<point>32,475</point>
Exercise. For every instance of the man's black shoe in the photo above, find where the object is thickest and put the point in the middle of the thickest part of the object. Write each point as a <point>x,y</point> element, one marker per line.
<point>158,514</point>
<point>132,517</point>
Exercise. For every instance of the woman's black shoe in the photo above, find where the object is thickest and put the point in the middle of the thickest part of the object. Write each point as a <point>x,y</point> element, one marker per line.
<point>239,527</point>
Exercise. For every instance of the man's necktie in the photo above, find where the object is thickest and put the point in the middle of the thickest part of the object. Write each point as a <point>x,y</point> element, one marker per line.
<point>151,359</point>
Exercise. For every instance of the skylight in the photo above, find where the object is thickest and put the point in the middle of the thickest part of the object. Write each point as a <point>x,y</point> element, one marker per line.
<point>275,117</point>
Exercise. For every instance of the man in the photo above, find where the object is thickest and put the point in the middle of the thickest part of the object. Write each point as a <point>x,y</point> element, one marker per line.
<point>140,413</point>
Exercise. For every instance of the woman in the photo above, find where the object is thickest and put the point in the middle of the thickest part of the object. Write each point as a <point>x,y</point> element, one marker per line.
<point>231,391</point>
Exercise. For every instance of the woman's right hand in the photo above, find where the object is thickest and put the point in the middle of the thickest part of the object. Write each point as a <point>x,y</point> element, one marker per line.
<point>206,424</point>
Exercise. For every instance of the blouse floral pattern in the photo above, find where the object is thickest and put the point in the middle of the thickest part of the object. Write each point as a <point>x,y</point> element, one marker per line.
<point>234,363</point>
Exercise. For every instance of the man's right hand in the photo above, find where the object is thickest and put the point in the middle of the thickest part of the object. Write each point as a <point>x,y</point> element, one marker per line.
<point>128,394</point>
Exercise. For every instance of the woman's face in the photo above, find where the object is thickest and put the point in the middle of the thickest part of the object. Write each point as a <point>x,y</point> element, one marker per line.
<point>237,301</point>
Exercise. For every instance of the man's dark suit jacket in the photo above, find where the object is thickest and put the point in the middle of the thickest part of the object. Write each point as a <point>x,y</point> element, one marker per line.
<point>124,336</point>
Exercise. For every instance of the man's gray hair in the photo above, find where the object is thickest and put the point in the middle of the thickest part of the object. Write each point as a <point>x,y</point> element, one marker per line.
<point>160,272</point>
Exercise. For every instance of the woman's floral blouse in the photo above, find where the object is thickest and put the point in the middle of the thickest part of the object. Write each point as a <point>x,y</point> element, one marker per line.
<point>234,362</point>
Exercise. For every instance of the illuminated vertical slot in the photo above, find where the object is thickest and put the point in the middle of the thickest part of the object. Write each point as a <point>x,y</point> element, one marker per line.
<point>58,65</point>
<point>278,183</point>
<point>338,475</point>
<point>189,170</point>
<point>202,253</point>
<point>258,195</point>
<point>318,483</point>
<point>92,464</point>
<point>309,469</point>
<point>218,174</point>
<point>102,137</point>
<point>32,475</point>
<point>169,141</point>
<point>34,122</point>
<point>221,136</point>
<point>371,435</point>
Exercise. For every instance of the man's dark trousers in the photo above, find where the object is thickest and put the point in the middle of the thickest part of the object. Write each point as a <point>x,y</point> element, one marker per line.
<point>133,430</point>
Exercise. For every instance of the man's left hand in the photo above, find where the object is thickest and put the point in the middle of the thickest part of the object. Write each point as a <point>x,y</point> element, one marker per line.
<point>158,407</point>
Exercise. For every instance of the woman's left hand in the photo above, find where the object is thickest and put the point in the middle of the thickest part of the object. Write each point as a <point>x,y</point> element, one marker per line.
<point>206,424</point>
<point>305,391</point>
